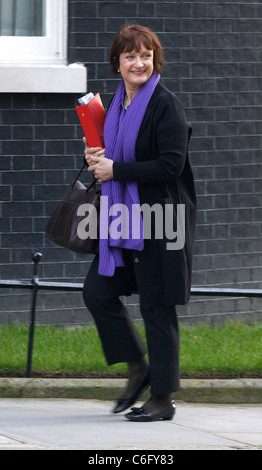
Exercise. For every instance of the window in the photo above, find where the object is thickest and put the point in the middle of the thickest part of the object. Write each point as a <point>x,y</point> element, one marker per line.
<point>33,31</point>
<point>33,48</point>
<point>22,17</point>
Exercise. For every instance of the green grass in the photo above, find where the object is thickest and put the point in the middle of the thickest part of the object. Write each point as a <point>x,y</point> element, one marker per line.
<point>232,350</point>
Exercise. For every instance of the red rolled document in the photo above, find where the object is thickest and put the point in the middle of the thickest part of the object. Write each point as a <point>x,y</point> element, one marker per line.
<point>92,117</point>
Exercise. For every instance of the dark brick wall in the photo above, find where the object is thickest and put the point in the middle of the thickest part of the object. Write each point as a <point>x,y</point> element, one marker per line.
<point>212,51</point>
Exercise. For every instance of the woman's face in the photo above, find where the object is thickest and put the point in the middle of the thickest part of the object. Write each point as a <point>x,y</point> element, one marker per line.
<point>136,67</point>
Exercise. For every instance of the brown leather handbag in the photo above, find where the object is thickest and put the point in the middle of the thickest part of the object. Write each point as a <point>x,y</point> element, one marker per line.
<point>75,222</point>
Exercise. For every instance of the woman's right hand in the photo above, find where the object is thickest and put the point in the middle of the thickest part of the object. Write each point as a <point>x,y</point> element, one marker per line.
<point>92,152</point>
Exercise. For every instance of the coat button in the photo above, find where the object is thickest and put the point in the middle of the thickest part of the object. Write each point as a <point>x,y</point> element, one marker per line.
<point>136,260</point>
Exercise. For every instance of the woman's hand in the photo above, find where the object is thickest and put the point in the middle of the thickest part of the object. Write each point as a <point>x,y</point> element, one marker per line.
<point>102,167</point>
<point>90,152</point>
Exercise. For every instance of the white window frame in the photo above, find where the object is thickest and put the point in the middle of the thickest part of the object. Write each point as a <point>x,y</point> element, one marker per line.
<point>39,63</point>
<point>48,49</point>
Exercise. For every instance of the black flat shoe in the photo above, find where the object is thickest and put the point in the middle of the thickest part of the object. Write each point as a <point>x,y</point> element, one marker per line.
<point>123,404</point>
<point>139,414</point>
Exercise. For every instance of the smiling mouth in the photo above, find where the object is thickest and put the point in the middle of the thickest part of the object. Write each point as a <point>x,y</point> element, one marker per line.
<point>138,72</point>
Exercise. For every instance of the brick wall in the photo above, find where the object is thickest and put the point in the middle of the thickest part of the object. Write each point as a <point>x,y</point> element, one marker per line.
<point>212,51</point>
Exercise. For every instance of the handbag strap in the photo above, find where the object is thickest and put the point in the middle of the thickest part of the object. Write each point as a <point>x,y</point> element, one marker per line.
<point>77,176</point>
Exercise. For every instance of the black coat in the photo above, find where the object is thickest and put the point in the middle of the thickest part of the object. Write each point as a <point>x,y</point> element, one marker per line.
<point>163,173</point>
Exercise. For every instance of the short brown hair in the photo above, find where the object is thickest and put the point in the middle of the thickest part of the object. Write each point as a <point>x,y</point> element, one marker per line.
<point>130,38</point>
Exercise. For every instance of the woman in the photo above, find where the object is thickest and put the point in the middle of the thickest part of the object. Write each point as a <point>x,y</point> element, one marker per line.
<point>145,162</point>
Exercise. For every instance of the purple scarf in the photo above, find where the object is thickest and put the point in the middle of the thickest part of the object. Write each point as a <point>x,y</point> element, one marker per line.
<point>120,135</point>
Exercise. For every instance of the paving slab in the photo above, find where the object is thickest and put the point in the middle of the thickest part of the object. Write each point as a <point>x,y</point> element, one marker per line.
<point>77,424</point>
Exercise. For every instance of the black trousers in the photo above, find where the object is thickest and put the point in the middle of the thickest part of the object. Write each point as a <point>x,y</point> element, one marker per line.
<point>119,337</point>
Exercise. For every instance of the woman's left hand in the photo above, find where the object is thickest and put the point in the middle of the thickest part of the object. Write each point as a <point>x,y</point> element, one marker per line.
<point>102,169</point>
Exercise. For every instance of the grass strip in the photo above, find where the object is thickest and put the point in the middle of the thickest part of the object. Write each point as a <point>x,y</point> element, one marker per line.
<point>229,351</point>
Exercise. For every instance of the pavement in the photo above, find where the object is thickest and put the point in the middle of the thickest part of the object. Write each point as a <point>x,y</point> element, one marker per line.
<point>70,424</point>
<point>75,414</point>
